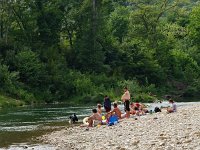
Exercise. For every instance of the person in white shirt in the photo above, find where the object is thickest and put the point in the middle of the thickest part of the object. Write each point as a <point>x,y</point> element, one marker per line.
<point>173,108</point>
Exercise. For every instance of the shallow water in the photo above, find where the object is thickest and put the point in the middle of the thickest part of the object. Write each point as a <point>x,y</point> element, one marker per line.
<point>20,127</point>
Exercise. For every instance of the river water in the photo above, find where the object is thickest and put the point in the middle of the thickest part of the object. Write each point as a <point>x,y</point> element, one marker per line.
<point>21,127</point>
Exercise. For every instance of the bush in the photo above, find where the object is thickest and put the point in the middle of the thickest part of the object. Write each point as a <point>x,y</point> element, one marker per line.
<point>7,79</point>
<point>132,85</point>
<point>9,102</point>
<point>91,99</point>
<point>25,96</point>
<point>31,69</point>
<point>184,66</point>
<point>191,91</point>
<point>144,98</point>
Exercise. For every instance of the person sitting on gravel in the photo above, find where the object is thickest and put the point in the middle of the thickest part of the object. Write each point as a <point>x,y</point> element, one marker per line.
<point>173,108</point>
<point>139,109</point>
<point>137,105</point>
<point>112,120</point>
<point>132,108</point>
<point>95,117</point>
<point>117,111</point>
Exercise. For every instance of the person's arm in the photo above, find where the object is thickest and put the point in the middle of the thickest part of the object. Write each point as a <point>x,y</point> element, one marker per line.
<point>113,111</point>
<point>123,98</point>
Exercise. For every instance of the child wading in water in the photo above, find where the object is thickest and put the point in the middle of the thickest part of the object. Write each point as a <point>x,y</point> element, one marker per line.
<point>173,108</point>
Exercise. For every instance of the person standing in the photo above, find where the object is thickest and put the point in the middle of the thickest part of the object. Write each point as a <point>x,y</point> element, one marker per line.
<point>126,100</point>
<point>107,104</point>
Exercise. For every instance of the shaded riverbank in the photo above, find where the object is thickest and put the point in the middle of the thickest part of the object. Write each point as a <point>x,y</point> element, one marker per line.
<point>157,131</point>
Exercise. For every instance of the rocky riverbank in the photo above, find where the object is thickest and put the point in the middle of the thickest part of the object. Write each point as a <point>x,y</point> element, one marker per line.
<point>161,131</point>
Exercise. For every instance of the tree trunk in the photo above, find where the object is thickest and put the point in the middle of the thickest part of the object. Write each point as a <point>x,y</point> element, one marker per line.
<point>1,21</point>
<point>94,26</point>
<point>1,28</point>
<point>70,34</point>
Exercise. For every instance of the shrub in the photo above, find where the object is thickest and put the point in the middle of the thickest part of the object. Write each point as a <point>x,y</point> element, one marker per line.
<point>191,91</point>
<point>31,69</point>
<point>144,98</point>
<point>7,79</point>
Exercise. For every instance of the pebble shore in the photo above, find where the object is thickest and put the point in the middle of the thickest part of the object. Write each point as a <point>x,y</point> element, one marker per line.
<point>157,131</point>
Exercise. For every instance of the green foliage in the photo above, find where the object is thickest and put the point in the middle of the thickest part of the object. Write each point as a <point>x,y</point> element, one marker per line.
<point>30,68</point>
<point>138,92</point>
<point>144,98</point>
<point>27,97</point>
<point>133,85</point>
<point>118,23</point>
<point>79,51</point>
<point>84,85</point>
<point>191,91</point>
<point>9,102</point>
<point>195,25</point>
<point>8,79</point>
<point>184,66</point>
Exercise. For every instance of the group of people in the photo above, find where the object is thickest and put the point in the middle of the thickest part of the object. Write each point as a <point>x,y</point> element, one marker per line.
<point>129,108</point>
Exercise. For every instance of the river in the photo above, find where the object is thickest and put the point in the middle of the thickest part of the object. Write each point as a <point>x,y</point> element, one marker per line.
<point>21,127</point>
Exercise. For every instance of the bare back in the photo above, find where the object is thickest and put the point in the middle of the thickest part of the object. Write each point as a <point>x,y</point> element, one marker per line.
<point>96,116</point>
<point>117,112</point>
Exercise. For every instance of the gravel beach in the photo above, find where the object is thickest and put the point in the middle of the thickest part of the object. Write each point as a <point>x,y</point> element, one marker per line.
<point>158,131</point>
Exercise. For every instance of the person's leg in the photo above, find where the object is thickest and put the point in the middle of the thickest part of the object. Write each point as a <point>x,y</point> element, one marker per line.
<point>107,115</point>
<point>90,121</point>
<point>127,114</point>
<point>123,116</point>
<point>127,109</point>
<point>169,110</point>
<point>125,106</point>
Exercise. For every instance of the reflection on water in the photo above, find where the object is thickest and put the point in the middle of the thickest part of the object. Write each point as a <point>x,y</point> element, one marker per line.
<point>21,126</point>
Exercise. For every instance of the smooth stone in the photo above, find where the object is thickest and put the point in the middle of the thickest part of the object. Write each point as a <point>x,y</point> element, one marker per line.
<point>135,142</point>
<point>187,141</point>
<point>162,144</point>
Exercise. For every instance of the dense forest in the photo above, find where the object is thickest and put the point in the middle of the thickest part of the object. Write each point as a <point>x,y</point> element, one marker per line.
<point>80,50</point>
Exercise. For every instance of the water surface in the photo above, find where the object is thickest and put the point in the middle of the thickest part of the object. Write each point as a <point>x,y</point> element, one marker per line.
<point>22,126</point>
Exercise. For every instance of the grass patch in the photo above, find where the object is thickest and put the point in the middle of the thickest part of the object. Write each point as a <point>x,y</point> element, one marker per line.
<point>9,102</point>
